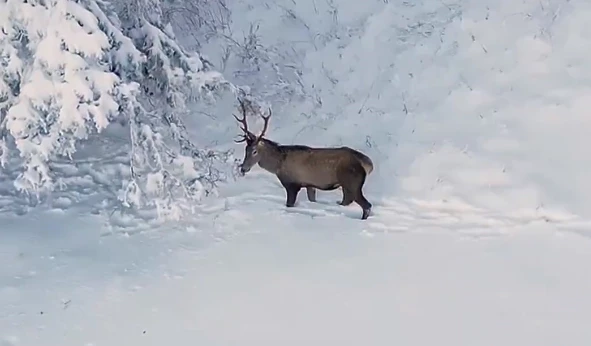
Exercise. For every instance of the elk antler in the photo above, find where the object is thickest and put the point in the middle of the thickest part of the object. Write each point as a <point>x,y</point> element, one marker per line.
<point>247,134</point>
<point>265,125</point>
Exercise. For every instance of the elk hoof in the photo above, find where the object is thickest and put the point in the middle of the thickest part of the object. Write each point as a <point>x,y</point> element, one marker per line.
<point>365,214</point>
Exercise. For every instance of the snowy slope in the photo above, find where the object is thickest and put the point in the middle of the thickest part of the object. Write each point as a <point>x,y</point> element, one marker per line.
<point>474,114</point>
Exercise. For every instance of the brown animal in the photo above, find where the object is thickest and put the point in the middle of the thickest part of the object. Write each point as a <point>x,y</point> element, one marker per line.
<point>299,166</point>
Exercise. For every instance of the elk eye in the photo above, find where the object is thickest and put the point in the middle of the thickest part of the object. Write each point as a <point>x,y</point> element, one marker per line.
<point>254,151</point>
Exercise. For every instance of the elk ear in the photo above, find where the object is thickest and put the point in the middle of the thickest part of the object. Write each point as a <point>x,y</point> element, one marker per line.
<point>260,143</point>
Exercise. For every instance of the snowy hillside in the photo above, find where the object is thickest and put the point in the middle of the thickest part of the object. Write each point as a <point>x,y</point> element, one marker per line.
<point>474,115</point>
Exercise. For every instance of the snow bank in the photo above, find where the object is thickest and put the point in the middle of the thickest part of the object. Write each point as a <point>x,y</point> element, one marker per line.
<point>477,102</point>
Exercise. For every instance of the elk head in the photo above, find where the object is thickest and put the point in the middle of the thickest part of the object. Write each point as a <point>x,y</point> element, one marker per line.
<point>251,152</point>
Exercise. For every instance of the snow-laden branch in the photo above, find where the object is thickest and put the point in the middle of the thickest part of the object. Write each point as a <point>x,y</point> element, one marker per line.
<point>64,88</point>
<point>69,67</point>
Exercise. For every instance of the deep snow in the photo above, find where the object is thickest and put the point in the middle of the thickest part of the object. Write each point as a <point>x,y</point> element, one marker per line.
<point>252,273</point>
<point>475,115</point>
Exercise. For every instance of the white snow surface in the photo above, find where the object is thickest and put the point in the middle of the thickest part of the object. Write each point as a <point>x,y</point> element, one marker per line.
<point>475,115</point>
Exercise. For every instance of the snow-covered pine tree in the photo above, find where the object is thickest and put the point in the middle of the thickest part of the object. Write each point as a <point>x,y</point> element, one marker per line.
<point>167,158</point>
<point>69,67</point>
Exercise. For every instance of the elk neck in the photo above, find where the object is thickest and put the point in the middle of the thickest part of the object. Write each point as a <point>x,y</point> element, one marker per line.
<point>271,156</point>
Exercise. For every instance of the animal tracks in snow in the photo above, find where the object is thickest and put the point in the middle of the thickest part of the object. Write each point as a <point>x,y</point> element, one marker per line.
<point>249,212</point>
<point>410,215</point>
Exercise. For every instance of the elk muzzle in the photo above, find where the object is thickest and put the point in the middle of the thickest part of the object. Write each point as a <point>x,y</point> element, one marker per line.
<point>243,169</point>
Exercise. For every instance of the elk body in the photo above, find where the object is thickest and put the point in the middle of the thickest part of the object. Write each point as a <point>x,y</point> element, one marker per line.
<point>300,166</point>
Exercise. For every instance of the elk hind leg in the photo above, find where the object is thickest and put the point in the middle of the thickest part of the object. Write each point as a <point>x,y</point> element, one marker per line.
<point>363,203</point>
<point>355,180</point>
<point>311,194</point>
<point>348,197</point>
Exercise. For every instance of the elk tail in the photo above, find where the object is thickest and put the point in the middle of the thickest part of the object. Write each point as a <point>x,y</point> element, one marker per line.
<point>365,161</point>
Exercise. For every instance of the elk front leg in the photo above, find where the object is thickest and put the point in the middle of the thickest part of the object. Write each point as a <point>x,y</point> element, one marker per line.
<point>292,194</point>
<point>311,194</point>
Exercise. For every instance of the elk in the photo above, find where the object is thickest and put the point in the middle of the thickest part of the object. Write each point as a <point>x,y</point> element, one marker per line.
<point>300,166</point>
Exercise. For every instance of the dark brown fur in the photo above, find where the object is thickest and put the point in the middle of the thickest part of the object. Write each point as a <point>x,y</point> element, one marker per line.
<point>300,166</point>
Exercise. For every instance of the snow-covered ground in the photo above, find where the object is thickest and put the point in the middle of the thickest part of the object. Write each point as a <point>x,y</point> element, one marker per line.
<point>475,116</point>
<point>259,275</point>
